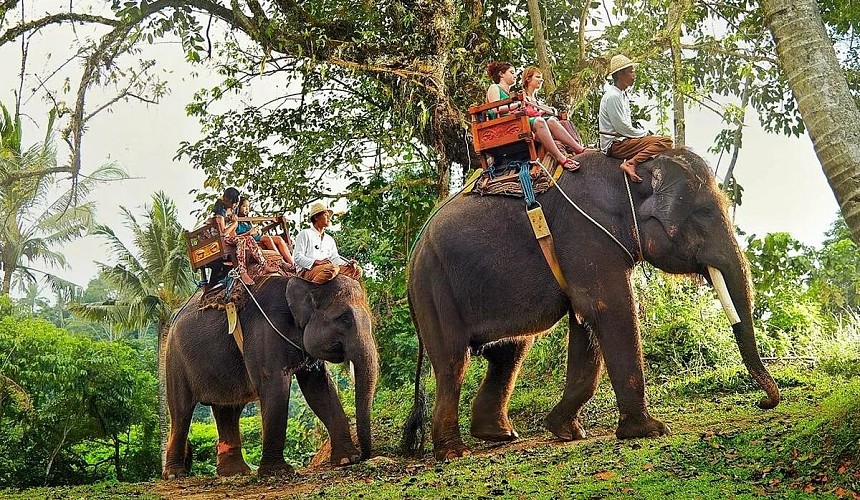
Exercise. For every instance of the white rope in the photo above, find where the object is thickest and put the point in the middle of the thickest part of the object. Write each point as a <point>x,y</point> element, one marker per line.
<point>574,205</point>
<point>264,312</point>
<point>633,212</point>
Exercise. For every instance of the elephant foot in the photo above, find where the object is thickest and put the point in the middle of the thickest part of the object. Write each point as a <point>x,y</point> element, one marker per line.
<point>451,452</point>
<point>497,429</point>
<point>278,469</point>
<point>173,472</point>
<point>230,461</point>
<point>494,433</point>
<point>345,457</point>
<point>232,469</point>
<point>638,428</point>
<point>563,427</point>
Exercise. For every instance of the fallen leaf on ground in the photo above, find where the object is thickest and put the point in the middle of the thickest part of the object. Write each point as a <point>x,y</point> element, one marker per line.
<point>605,476</point>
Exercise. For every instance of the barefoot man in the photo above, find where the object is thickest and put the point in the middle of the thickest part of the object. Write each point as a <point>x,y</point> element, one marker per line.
<point>618,137</point>
<point>316,255</point>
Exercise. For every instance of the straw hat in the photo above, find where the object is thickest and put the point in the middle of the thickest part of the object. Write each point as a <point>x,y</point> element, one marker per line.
<point>619,62</point>
<point>319,207</point>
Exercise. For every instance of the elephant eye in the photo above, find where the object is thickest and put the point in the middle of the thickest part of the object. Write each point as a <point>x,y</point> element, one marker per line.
<point>705,212</point>
<point>345,319</point>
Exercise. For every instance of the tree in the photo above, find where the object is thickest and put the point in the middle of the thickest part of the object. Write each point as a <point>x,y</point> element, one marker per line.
<point>831,115</point>
<point>66,402</point>
<point>32,222</point>
<point>153,278</point>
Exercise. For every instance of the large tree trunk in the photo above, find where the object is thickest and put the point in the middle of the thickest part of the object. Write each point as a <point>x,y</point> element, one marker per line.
<point>807,58</point>
<point>7,280</point>
<point>540,47</point>
<point>163,422</point>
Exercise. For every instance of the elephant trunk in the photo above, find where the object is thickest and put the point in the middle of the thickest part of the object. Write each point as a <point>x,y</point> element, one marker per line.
<point>738,306</point>
<point>365,361</point>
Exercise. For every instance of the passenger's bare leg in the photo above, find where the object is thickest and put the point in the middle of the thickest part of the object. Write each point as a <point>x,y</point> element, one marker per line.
<point>544,136</point>
<point>560,133</point>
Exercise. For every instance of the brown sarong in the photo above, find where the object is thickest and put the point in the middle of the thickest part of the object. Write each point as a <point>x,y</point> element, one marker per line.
<point>639,149</point>
<point>328,271</point>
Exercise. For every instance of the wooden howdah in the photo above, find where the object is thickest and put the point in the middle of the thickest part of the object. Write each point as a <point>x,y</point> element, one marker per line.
<point>208,250</point>
<point>503,135</point>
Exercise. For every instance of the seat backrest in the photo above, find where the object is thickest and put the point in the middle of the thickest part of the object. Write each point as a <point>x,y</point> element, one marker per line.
<point>205,245</point>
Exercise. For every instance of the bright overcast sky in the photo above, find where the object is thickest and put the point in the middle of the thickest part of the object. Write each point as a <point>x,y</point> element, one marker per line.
<point>784,186</point>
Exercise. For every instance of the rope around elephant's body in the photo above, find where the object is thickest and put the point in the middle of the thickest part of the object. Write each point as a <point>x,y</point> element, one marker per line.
<point>267,316</point>
<point>591,219</point>
<point>633,212</point>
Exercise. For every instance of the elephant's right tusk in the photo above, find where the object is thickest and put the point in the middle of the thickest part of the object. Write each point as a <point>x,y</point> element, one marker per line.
<point>723,294</point>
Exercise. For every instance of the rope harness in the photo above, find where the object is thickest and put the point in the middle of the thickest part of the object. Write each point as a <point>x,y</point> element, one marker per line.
<point>608,233</point>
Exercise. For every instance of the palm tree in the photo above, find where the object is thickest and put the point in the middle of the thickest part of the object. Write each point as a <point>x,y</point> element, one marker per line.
<point>817,80</point>
<point>32,222</point>
<point>153,279</point>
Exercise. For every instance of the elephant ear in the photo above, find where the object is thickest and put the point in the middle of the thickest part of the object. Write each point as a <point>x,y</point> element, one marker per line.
<point>302,300</point>
<point>671,193</point>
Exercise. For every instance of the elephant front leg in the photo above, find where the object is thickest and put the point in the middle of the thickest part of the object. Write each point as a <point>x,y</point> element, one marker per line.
<point>274,410</point>
<point>229,449</point>
<point>584,364</point>
<point>490,408</point>
<point>321,396</point>
<point>618,334</point>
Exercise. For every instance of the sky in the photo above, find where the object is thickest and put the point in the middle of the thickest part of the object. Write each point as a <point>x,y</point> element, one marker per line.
<point>784,186</point>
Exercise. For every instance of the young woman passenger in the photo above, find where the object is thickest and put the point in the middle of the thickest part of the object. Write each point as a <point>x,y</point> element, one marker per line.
<point>503,76</point>
<point>268,242</point>
<point>532,83</point>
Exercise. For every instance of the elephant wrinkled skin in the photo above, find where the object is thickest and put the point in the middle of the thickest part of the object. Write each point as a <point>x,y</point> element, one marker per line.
<point>204,365</point>
<point>478,281</point>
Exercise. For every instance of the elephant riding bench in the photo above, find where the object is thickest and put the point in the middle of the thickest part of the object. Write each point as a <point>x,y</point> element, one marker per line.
<point>207,249</point>
<point>463,301</point>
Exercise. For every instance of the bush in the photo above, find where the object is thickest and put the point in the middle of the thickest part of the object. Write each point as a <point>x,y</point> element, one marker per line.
<point>683,326</point>
<point>74,399</point>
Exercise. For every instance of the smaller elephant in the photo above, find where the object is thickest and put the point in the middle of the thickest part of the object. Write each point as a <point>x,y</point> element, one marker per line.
<point>331,322</point>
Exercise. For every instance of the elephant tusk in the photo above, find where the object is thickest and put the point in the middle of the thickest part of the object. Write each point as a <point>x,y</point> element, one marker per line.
<point>723,294</point>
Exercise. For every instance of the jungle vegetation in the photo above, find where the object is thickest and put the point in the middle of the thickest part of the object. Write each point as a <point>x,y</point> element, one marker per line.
<point>373,110</point>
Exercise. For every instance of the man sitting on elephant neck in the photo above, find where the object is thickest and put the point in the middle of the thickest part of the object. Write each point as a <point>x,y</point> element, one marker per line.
<point>316,256</point>
<point>618,137</point>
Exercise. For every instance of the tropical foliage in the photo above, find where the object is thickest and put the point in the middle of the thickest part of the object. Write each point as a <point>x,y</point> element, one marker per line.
<point>34,217</point>
<point>73,409</point>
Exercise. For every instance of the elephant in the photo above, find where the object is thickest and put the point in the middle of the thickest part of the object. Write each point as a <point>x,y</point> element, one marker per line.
<point>330,322</point>
<point>478,283</point>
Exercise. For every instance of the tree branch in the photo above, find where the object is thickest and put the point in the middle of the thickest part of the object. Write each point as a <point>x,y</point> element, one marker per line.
<point>16,31</point>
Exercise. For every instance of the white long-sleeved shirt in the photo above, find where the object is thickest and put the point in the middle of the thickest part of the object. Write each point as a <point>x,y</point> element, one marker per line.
<point>614,116</point>
<point>311,246</point>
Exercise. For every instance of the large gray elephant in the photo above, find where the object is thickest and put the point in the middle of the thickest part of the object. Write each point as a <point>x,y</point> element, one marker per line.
<point>204,365</point>
<point>478,282</point>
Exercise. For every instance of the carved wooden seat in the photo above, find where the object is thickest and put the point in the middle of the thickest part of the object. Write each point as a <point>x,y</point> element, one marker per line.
<point>208,250</point>
<point>504,136</point>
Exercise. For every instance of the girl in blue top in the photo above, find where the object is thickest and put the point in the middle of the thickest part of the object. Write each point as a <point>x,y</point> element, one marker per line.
<point>266,241</point>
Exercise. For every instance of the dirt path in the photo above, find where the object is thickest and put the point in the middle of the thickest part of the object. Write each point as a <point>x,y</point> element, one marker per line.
<point>307,480</point>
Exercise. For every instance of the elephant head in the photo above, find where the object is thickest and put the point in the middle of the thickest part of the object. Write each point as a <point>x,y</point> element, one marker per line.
<point>684,228</point>
<point>337,327</point>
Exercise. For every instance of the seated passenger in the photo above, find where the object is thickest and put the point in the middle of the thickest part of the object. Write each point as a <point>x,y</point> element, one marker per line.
<point>618,137</point>
<point>503,76</point>
<point>561,130</point>
<point>317,259</point>
<point>245,245</point>
<point>264,240</point>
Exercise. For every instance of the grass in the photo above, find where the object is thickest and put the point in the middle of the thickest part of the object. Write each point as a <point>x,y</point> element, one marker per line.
<point>722,446</point>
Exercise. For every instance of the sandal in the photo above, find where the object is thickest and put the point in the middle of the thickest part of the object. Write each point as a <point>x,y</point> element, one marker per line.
<point>570,164</point>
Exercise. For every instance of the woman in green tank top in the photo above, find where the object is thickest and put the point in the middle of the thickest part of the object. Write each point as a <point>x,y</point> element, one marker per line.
<point>503,76</point>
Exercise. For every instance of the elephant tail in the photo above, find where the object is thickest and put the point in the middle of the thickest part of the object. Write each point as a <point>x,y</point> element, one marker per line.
<point>414,431</point>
